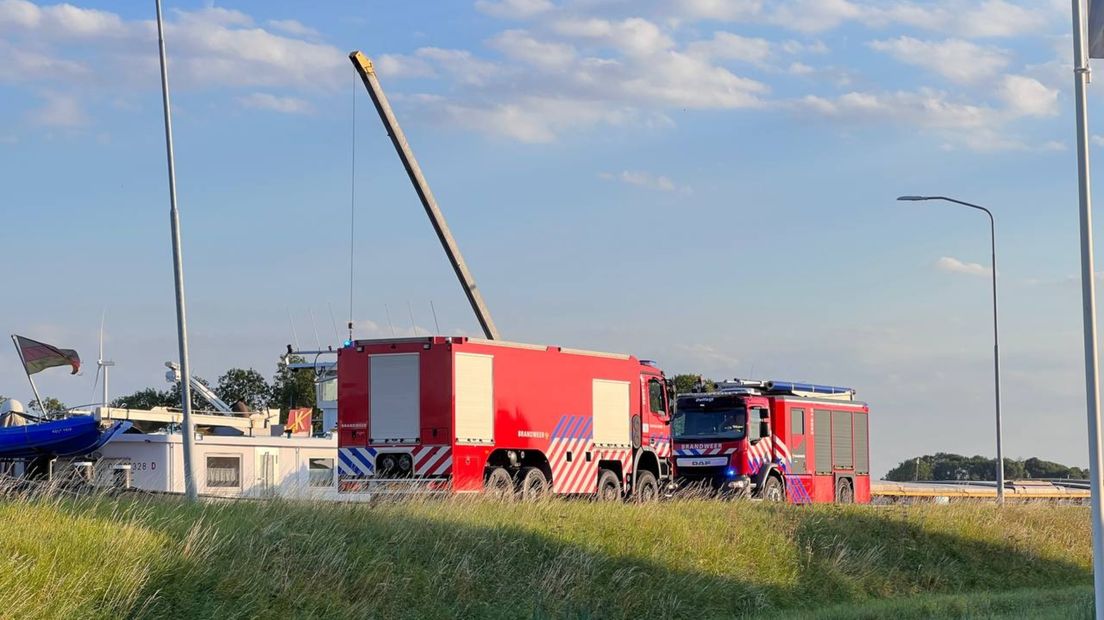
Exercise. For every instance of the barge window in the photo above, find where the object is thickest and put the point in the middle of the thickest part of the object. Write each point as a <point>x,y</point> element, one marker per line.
<point>320,472</point>
<point>224,472</point>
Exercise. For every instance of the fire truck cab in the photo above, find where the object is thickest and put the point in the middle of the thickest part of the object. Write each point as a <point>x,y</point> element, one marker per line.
<point>774,440</point>
<point>468,415</point>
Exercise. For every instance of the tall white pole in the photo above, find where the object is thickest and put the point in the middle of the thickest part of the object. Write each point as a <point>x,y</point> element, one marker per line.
<point>178,273</point>
<point>1088,301</point>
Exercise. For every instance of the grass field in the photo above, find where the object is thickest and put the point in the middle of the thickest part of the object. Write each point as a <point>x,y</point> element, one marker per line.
<point>159,557</point>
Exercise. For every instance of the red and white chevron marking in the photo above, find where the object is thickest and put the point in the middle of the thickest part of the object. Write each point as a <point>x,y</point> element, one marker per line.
<point>432,460</point>
<point>783,454</point>
<point>760,454</point>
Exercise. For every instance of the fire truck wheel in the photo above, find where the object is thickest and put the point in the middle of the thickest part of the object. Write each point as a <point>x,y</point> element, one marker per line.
<point>609,486</point>
<point>647,489</point>
<point>772,490</point>
<point>534,485</point>
<point>499,484</point>
<point>844,493</point>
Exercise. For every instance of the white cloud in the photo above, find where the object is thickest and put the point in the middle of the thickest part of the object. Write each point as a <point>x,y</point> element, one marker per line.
<point>633,36</point>
<point>20,65</point>
<point>953,265</point>
<point>646,180</point>
<point>400,65</point>
<point>60,111</point>
<point>815,15</point>
<point>725,10</point>
<point>208,47</point>
<point>292,27</point>
<point>1028,97</point>
<point>728,46</point>
<point>804,47</point>
<point>955,59</point>
<point>800,68</point>
<point>514,9</point>
<point>267,101</point>
<point>520,45</point>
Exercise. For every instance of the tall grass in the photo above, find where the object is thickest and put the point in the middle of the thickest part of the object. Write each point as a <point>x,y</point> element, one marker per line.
<point>101,557</point>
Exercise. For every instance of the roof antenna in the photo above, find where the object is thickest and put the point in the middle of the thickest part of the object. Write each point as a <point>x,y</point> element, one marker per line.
<point>434,311</point>
<point>337,336</point>
<point>317,342</point>
<point>413,325</point>
<point>389,323</point>
<point>294,336</point>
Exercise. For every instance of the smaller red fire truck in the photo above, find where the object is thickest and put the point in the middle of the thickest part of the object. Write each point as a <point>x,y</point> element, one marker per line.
<point>468,415</point>
<point>774,440</point>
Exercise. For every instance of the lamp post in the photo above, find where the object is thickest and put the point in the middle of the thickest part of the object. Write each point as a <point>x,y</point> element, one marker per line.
<point>996,339</point>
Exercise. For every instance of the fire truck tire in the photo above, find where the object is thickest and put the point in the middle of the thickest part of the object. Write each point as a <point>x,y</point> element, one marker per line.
<point>499,484</point>
<point>534,485</point>
<point>646,488</point>
<point>609,486</point>
<point>772,490</point>
<point>844,493</point>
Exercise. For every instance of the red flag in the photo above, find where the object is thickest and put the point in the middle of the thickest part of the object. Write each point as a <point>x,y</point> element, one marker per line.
<point>38,356</point>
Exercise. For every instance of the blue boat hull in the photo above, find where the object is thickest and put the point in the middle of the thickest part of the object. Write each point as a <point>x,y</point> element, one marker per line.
<point>72,436</point>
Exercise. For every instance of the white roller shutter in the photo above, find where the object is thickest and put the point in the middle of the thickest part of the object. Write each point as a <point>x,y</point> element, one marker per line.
<point>395,399</point>
<point>474,398</point>
<point>610,406</point>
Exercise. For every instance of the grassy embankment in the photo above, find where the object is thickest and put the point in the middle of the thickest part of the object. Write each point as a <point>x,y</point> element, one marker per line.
<point>110,558</point>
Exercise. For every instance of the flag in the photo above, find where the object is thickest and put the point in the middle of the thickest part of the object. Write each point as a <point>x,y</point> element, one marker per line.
<point>38,356</point>
<point>299,421</point>
<point>1096,28</point>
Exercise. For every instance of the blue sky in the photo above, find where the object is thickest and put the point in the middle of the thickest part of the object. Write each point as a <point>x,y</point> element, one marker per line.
<point>706,183</point>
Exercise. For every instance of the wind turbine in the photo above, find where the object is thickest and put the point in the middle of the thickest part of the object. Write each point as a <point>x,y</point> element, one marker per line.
<point>101,363</point>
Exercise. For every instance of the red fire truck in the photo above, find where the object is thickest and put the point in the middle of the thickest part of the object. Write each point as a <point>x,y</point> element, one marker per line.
<point>468,415</point>
<point>775,440</point>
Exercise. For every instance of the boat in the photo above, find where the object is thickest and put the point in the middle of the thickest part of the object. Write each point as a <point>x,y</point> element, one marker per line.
<point>74,435</point>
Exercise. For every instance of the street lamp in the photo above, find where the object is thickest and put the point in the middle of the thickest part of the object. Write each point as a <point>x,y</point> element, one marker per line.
<point>996,340</point>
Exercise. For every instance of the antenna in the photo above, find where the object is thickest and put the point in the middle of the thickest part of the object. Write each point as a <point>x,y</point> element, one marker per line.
<point>413,325</point>
<point>434,311</point>
<point>337,337</point>
<point>389,324</point>
<point>317,342</point>
<point>294,336</point>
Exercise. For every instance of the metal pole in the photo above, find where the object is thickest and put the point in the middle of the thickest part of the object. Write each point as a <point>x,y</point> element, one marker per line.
<point>996,364</point>
<point>398,138</point>
<point>1088,303</point>
<point>178,274</point>
<point>38,399</point>
<point>996,337</point>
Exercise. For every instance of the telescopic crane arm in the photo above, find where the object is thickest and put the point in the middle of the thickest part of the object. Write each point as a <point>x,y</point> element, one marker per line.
<point>421,186</point>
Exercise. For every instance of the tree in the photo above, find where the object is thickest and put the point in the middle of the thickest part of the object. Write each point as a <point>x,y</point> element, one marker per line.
<point>689,382</point>
<point>247,386</point>
<point>53,406</point>
<point>153,397</point>
<point>944,466</point>
<point>146,399</point>
<point>292,389</point>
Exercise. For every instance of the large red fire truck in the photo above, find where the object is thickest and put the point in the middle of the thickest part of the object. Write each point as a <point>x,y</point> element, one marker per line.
<point>775,440</point>
<point>468,415</point>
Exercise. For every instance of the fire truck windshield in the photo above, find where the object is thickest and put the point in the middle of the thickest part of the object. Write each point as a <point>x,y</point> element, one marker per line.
<point>726,424</point>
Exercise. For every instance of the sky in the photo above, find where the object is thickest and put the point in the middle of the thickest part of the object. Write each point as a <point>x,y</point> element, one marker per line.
<point>709,184</point>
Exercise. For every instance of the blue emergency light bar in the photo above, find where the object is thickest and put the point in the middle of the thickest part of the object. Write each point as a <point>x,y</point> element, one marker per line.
<point>789,386</point>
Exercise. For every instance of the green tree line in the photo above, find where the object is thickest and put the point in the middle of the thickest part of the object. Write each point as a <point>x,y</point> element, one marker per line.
<point>944,466</point>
